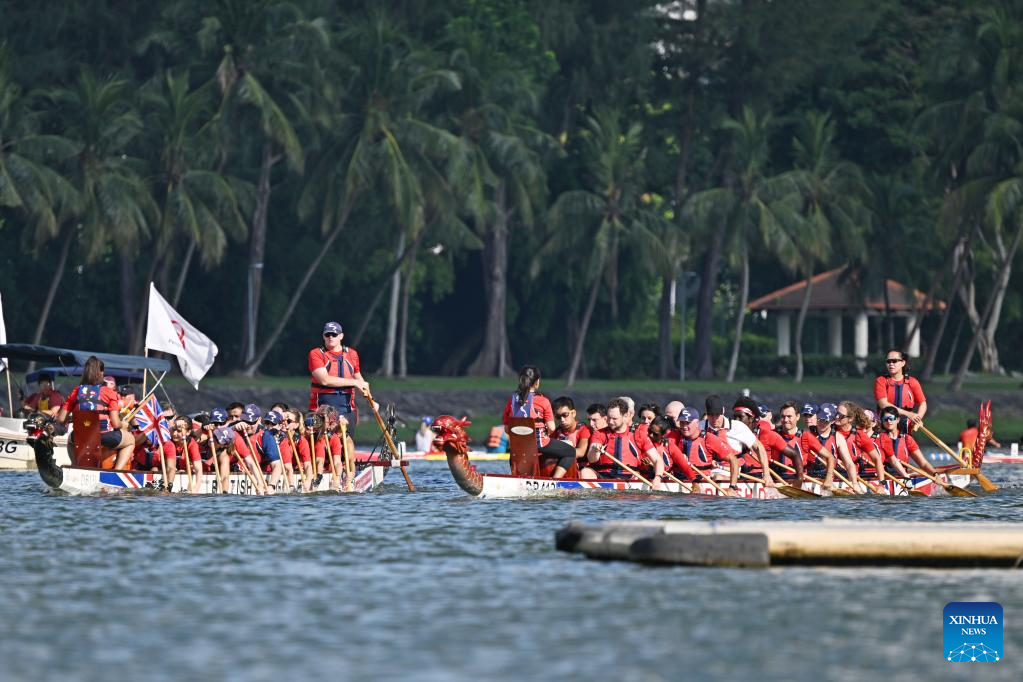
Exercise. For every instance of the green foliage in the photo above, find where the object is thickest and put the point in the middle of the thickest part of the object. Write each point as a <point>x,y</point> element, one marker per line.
<point>613,140</point>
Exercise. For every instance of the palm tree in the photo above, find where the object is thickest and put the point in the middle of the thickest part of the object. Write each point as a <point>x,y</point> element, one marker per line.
<point>748,206</point>
<point>376,138</point>
<point>831,213</point>
<point>32,177</point>
<point>200,205</point>
<point>497,165</point>
<point>116,211</point>
<point>611,210</point>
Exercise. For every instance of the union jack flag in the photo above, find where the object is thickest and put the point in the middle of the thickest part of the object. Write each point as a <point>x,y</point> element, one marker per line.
<point>147,421</point>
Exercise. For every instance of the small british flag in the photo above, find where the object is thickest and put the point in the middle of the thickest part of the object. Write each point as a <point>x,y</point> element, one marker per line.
<point>148,421</point>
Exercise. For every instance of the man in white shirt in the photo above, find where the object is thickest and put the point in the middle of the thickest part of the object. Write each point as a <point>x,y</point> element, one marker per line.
<point>738,434</point>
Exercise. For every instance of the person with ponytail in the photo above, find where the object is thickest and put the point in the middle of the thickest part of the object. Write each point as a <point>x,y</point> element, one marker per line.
<point>901,391</point>
<point>527,402</point>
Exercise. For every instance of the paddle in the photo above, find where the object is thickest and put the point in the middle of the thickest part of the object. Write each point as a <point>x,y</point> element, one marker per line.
<point>294,456</point>
<point>334,475</point>
<point>795,492</point>
<point>188,471</point>
<point>837,492</point>
<point>953,490</point>
<point>786,490</point>
<point>312,454</point>
<point>262,489</point>
<point>626,467</point>
<point>679,481</point>
<point>984,481</point>
<point>216,464</point>
<point>390,441</point>
<point>349,464</point>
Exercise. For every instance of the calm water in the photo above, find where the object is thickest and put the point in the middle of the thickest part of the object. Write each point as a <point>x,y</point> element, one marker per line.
<point>438,586</point>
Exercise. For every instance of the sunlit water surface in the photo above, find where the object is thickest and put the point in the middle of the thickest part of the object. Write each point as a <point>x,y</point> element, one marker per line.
<point>438,586</point>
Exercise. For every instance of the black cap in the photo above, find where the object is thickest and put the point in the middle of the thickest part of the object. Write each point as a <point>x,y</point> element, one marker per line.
<point>714,405</point>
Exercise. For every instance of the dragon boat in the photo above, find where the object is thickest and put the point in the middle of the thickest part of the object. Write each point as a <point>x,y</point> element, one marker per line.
<point>531,475</point>
<point>84,467</point>
<point>102,480</point>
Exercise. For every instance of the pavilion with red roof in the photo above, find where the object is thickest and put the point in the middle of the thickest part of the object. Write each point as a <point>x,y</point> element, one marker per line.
<point>838,294</point>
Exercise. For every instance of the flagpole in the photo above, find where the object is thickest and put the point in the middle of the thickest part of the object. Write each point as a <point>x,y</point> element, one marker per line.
<point>145,372</point>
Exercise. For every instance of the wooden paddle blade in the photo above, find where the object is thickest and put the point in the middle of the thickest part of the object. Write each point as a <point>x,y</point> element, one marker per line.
<point>794,492</point>
<point>956,491</point>
<point>840,492</point>
<point>985,483</point>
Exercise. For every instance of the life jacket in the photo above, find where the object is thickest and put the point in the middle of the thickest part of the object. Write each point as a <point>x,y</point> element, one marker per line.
<point>698,458</point>
<point>624,450</point>
<point>793,441</point>
<point>341,367</point>
<point>524,409</point>
<point>899,446</point>
<point>88,397</point>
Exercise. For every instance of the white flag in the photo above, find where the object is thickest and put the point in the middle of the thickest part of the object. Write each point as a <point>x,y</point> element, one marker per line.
<point>3,332</point>
<point>171,333</point>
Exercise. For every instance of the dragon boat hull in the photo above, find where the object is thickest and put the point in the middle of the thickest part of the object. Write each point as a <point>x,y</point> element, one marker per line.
<point>502,486</point>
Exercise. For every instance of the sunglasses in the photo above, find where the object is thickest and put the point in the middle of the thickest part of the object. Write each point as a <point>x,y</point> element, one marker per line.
<point>841,416</point>
<point>890,419</point>
<point>892,361</point>
<point>330,335</point>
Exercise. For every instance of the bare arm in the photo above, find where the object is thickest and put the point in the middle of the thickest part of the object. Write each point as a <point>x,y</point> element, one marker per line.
<point>321,377</point>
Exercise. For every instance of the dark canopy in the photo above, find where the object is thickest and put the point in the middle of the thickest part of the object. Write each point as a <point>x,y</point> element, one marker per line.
<point>77,358</point>
<point>76,371</point>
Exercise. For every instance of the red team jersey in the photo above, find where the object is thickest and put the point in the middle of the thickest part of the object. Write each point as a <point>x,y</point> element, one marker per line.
<point>581,434</point>
<point>320,449</point>
<point>535,407</point>
<point>900,447</point>
<point>107,396</point>
<point>628,447</point>
<point>704,451</point>
<point>343,363</point>
<point>773,443</point>
<point>904,394</point>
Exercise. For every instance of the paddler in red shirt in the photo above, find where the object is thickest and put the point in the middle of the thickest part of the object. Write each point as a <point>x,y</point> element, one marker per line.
<point>627,446</point>
<point>186,446</point>
<point>854,426</point>
<point>93,394</point>
<point>900,390</point>
<point>336,375</point>
<point>675,460</point>
<point>703,449</point>
<point>897,447</point>
<point>570,430</point>
<point>528,403</point>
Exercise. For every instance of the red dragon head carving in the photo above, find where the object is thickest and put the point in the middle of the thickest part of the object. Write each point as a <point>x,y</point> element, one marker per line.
<point>451,437</point>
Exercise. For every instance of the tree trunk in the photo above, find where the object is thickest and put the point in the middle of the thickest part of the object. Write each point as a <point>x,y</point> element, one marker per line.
<point>955,345</point>
<point>704,348</point>
<point>390,341</point>
<point>740,318</point>
<point>406,296</point>
<point>51,294</point>
<point>991,312</point>
<point>379,288</point>
<point>129,298</point>
<point>800,320</point>
<point>959,266</point>
<point>257,252</point>
<point>577,354</point>
<point>493,356</point>
<point>251,368</point>
<point>180,286</point>
<point>665,364</point>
